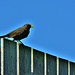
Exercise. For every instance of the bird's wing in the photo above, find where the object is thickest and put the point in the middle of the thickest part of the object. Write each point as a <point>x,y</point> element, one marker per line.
<point>16,32</point>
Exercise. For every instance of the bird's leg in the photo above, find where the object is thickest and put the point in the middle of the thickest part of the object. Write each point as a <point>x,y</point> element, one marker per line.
<point>21,42</point>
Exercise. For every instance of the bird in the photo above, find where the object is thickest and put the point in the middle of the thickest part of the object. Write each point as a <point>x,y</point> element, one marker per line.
<point>19,33</point>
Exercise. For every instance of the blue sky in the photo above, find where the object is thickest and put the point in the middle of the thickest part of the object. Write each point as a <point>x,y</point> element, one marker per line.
<point>53,21</point>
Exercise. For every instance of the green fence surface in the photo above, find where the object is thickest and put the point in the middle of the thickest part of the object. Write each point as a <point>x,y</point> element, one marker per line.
<point>10,61</point>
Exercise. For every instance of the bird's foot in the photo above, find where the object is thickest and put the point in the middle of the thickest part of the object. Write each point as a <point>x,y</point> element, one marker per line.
<point>22,44</point>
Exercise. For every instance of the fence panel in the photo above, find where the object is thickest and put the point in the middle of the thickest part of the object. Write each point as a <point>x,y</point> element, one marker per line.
<point>51,65</point>
<point>63,67</point>
<point>25,60</point>
<point>9,58</point>
<point>72,68</point>
<point>42,63</point>
<point>38,63</point>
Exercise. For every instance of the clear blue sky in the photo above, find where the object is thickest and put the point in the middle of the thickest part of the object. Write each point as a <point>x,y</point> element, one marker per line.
<point>53,21</point>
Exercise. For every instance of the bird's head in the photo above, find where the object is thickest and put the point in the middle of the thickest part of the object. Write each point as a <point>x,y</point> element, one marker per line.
<point>28,26</point>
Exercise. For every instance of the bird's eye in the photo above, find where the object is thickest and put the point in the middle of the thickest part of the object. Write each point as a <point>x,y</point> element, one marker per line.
<point>28,26</point>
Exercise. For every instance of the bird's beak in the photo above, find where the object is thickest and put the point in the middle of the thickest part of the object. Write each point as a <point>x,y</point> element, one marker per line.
<point>32,26</point>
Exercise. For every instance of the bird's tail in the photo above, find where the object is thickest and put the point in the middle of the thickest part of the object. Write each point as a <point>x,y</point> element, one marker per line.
<point>3,36</point>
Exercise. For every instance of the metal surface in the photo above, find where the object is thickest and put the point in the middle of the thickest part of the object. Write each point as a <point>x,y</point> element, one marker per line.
<point>68,67</point>
<point>57,66</point>
<point>24,60</point>
<point>72,68</point>
<point>51,65</point>
<point>45,68</point>
<point>10,58</point>
<point>31,60</point>
<point>63,67</point>
<point>17,59</point>
<point>2,56</point>
<point>38,61</point>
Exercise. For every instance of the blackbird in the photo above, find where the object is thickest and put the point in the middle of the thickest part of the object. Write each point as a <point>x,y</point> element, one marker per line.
<point>19,33</point>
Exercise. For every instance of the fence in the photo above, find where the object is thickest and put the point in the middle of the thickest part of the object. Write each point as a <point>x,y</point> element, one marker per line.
<point>22,60</point>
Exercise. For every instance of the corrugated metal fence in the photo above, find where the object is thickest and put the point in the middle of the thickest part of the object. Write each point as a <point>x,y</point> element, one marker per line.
<point>22,60</point>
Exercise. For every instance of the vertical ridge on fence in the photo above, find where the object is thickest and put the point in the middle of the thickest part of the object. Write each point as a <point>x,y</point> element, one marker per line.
<point>2,56</point>
<point>57,66</point>
<point>18,58</point>
<point>68,67</point>
<point>45,64</point>
<point>31,60</point>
